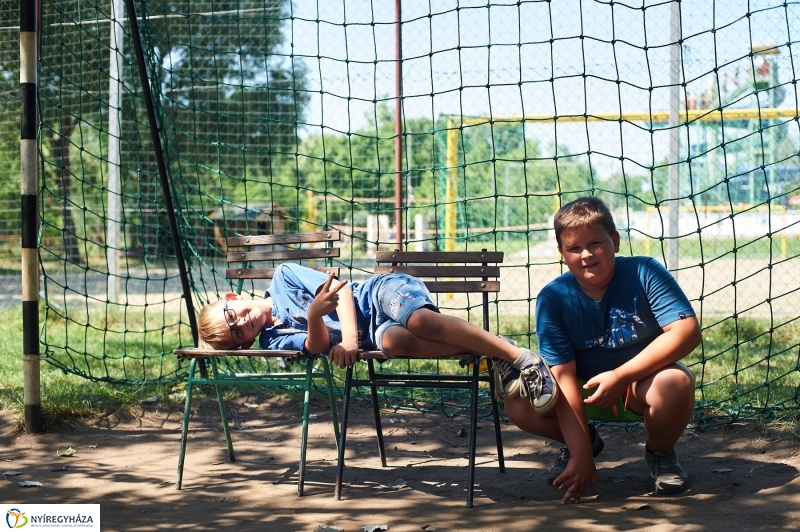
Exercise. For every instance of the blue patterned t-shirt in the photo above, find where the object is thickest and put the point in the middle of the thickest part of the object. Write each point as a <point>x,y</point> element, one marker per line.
<point>602,335</point>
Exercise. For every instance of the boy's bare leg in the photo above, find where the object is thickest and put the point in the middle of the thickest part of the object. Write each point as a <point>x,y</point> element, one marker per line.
<point>400,341</point>
<point>667,400</point>
<point>520,412</point>
<point>442,329</point>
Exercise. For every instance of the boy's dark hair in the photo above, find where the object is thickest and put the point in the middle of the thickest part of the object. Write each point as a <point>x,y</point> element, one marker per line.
<point>580,213</point>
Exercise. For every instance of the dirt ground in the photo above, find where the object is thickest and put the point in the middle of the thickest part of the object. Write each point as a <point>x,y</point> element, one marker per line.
<point>743,477</point>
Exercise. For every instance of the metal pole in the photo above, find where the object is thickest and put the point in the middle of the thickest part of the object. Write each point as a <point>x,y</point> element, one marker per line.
<point>674,136</point>
<point>398,128</point>
<point>29,11</point>
<point>162,167</point>
<point>113,217</point>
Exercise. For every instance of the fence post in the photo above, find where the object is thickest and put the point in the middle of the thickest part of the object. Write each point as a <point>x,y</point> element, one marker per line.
<point>29,190</point>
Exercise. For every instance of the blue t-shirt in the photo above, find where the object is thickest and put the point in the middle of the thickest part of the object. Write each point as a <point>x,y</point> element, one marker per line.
<point>600,336</point>
<point>292,290</point>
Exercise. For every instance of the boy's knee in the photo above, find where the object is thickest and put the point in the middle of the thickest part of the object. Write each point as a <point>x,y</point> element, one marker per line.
<point>671,384</point>
<point>425,323</point>
<point>521,413</point>
<point>678,378</point>
<point>398,341</point>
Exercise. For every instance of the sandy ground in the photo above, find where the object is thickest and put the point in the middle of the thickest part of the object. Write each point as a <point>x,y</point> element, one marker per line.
<point>743,477</point>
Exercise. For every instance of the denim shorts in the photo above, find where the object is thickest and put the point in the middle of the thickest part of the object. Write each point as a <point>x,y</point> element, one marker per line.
<point>394,298</point>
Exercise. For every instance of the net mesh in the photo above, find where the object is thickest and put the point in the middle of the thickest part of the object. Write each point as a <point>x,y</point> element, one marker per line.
<point>280,117</point>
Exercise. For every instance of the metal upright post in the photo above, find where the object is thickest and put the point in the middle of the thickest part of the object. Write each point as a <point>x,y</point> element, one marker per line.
<point>674,136</point>
<point>29,189</point>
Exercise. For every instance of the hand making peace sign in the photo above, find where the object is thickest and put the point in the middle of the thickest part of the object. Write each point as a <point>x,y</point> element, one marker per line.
<point>327,298</point>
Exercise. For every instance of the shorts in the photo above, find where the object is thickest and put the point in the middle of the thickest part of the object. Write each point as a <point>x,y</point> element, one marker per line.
<point>394,298</point>
<point>617,412</point>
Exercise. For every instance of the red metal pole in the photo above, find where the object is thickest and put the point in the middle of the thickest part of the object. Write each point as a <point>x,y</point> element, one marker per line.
<point>398,129</point>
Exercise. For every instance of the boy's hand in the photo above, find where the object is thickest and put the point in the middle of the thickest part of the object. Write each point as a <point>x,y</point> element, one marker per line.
<point>326,300</point>
<point>343,355</point>
<point>577,476</point>
<point>609,389</point>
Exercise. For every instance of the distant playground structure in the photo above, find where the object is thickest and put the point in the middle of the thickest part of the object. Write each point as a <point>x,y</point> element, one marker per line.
<point>152,130</point>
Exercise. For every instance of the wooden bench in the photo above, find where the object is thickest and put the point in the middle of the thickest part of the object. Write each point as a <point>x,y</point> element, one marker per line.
<point>443,273</point>
<point>245,251</point>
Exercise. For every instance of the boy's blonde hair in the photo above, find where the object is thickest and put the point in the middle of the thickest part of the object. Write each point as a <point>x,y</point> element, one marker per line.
<point>581,213</point>
<point>213,330</point>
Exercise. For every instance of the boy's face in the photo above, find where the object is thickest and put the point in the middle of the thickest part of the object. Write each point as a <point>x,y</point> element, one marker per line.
<point>245,319</point>
<point>589,252</point>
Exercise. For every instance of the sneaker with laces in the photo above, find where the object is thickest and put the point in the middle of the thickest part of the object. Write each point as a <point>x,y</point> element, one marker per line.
<point>507,376</point>
<point>537,383</point>
<point>665,470</point>
<point>563,456</point>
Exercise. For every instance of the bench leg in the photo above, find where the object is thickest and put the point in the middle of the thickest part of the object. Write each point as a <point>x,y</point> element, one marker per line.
<point>185,424</point>
<point>473,434</point>
<point>348,379</point>
<point>377,412</point>
<point>331,398</point>
<point>498,438</point>
<point>301,473</point>
<point>223,411</point>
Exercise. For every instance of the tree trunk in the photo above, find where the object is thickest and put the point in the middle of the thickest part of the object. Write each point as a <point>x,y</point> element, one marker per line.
<point>60,150</point>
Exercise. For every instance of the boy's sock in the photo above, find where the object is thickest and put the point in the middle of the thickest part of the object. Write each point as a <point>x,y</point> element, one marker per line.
<point>524,359</point>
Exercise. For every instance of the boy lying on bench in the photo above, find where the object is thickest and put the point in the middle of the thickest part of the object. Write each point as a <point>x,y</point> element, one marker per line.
<point>307,311</point>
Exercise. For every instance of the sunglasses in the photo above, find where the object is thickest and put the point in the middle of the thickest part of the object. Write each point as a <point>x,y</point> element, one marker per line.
<point>232,319</point>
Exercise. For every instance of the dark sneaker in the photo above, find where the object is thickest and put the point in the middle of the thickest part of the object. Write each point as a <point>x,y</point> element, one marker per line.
<point>538,384</point>
<point>563,455</point>
<point>665,470</point>
<point>507,376</point>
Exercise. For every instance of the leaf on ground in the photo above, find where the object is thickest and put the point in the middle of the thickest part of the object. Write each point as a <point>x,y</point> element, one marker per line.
<point>68,452</point>
<point>397,420</point>
<point>399,483</point>
<point>373,528</point>
<point>30,483</point>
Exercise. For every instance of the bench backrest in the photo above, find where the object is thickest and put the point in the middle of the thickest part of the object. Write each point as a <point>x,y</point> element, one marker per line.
<point>448,271</point>
<point>292,247</point>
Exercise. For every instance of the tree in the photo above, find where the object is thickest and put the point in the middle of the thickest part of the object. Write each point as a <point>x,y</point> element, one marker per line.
<point>232,98</point>
<point>229,100</point>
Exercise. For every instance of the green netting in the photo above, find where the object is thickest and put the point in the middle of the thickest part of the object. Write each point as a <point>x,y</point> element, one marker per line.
<point>280,117</point>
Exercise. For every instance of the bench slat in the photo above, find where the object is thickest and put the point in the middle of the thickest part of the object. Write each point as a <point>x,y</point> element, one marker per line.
<point>439,256</point>
<point>462,287</point>
<point>442,271</point>
<point>283,255</point>
<point>266,273</point>
<point>191,352</point>
<point>291,238</point>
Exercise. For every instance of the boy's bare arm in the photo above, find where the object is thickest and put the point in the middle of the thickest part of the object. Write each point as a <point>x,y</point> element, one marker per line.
<point>325,302</point>
<point>580,471</point>
<point>345,354</point>
<point>679,339</point>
